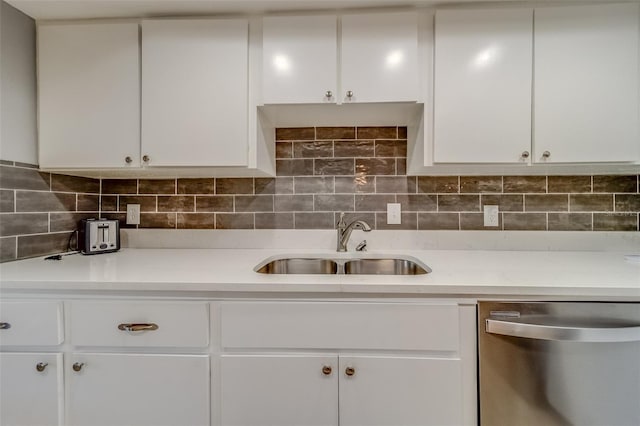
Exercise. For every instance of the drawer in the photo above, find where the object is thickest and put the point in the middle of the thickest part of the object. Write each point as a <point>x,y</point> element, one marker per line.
<point>317,325</point>
<point>139,324</point>
<point>31,323</point>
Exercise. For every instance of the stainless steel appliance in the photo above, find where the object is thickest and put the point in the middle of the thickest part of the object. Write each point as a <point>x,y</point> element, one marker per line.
<point>559,363</point>
<point>98,236</point>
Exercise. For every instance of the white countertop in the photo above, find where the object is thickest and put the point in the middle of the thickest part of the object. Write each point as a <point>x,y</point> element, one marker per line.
<point>455,273</point>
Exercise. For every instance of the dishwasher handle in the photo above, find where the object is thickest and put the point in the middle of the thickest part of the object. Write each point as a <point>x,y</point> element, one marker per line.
<point>560,333</point>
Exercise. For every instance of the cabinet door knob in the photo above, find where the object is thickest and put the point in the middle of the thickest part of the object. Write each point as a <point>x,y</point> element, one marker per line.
<point>349,371</point>
<point>145,158</point>
<point>546,154</point>
<point>326,370</point>
<point>128,159</point>
<point>77,366</point>
<point>349,94</point>
<point>328,94</point>
<point>41,366</point>
<point>138,327</point>
<point>5,326</point>
<point>525,154</point>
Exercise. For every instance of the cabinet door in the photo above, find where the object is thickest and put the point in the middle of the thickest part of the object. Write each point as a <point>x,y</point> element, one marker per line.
<point>88,95</point>
<point>134,389</point>
<point>400,391</point>
<point>379,57</point>
<point>194,92</point>
<point>31,389</point>
<point>482,104</point>
<point>299,59</point>
<point>279,390</point>
<point>586,83</point>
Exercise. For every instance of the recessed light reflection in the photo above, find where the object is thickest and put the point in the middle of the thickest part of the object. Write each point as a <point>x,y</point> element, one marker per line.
<point>394,59</point>
<point>486,57</point>
<point>281,63</point>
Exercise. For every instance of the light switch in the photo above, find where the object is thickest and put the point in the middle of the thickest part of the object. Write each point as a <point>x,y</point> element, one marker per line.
<point>394,211</point>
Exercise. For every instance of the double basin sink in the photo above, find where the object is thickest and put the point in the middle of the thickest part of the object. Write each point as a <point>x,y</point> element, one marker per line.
<point>396,265</point>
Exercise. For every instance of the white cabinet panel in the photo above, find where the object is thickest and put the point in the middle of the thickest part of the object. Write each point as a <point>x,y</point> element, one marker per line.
<point>379,57</point>
<point>586,83</point>
<point>400,391</point>
<point>279,390</point>
<point>31,323</point>
<point>315,325</point>
<point>483,65</point>
<point>30,395</point>
<point>299,59</point>
<point>133,389</point>
<point>194,92</point>
<point>178,324</point>
<point>88,95</point>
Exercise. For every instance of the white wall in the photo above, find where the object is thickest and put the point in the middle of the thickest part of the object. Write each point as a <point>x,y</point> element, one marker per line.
<point>18,130</point>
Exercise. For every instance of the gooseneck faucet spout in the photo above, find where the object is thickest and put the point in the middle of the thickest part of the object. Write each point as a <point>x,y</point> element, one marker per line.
<point>344,231</point>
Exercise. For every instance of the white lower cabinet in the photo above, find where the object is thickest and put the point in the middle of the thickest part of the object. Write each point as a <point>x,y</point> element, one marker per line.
<point>279,390</point>
<point>138,389</point>
<point>30,389</point>
<point>279,366</point>
<point>399,390</point>
<point>296,390</point>
<point>262,362</point>
<point>138,362</point>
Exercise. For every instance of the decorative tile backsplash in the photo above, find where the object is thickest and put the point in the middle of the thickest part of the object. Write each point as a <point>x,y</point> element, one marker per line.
<point>39,211</point>
<point>321,172</point>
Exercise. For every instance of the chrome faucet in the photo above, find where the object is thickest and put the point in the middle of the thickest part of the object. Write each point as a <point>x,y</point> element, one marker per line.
<point>344,231</point>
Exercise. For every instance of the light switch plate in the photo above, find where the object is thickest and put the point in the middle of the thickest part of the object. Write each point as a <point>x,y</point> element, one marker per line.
<point>133,214</point>
<point>491,217</point>
<point>394,211</point>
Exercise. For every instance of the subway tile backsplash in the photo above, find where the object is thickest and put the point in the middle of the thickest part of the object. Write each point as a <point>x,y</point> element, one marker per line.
<point>39,211</point>
<point>321,171</point>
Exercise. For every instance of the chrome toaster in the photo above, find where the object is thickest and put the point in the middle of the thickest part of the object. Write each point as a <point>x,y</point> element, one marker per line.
<point>98,236</point>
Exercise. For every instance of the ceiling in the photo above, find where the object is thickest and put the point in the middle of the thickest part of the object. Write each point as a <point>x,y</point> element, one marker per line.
<point>87,9</point>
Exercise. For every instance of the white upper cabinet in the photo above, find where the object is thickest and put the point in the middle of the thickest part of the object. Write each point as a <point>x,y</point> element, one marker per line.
<point>483,63</point>
<point>88,95</point>
<point>194,92</point>
<point>373,60</point>
<point>586,84</point>
<point>379,57</point>
<point>299,59</point>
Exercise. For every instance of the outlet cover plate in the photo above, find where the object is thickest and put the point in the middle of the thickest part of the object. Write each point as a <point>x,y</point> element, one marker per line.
<point>394,214</point>
<point>133,214</point>
<point>491,216</point>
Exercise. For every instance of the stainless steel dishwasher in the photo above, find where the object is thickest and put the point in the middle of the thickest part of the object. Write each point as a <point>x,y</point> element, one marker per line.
<point>559,363</point>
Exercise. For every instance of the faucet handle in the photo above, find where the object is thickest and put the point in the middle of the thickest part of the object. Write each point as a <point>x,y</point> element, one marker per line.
<point>341,223</point>
<point>362,246</point>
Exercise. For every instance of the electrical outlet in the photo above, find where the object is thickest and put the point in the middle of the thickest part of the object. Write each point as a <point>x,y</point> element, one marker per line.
<point>491,217</point>
<point>394,211</point>
<point>133,214</point>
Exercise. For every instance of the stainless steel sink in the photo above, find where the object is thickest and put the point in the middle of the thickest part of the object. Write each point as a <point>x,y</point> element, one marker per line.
<point>385,267</point>
<point>299,266</point>
<point>399,265</point>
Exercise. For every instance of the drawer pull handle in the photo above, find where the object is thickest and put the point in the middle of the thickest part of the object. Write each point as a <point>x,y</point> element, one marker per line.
<point>138,327</point>
<point>350,371</point>
<point>77,366</point>
<point>326,370</point>
<point>41,366</point>
<point>5,326</point>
